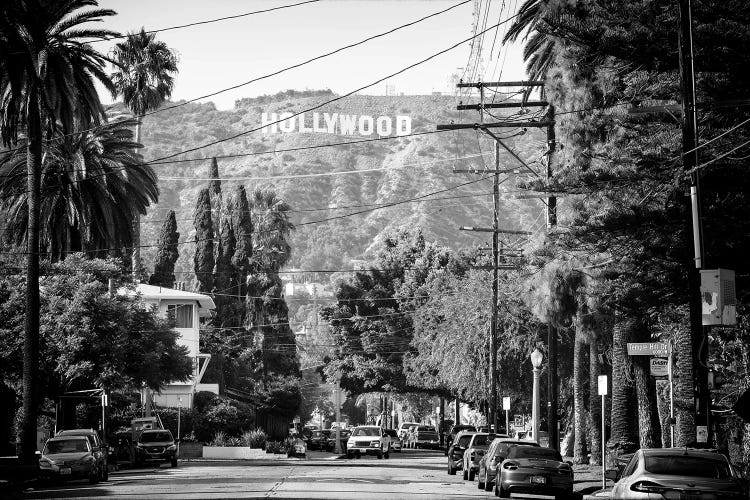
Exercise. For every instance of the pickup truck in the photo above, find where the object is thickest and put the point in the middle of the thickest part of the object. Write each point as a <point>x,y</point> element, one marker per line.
<point>427,437</point>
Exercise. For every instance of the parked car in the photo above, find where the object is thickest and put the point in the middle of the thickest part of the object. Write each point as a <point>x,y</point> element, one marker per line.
<point>317,440</point>
<point>532,470</point>
<point>343,437</point>
<point>677,473</point>
<point>403,429</point>
<point>99,448</point>
<point>367,440</point>
<point>426,437</point>
<point>456,451</point>
<point>475,450</point>
<point>496,453</point>
<point>395,441</point>
<point>69,457</point>
<point>452,434</point>
<point>156,445</point>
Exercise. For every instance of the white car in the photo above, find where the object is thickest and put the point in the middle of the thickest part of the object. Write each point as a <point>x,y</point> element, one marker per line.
<point>677,473</point>
<point>368,440</point>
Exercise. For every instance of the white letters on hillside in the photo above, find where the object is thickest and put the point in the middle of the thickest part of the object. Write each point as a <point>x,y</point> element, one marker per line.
<point>334,123</point>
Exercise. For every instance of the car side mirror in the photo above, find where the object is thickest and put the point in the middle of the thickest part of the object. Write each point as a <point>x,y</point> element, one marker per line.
<point>569,463</point>
<point>38,453</point>
<point>612,474</point>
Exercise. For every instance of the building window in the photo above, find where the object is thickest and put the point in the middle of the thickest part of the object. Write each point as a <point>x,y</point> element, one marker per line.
<point>182,315</point>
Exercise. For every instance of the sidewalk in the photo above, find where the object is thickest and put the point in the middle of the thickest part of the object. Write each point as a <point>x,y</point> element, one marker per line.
<point>587,482</point>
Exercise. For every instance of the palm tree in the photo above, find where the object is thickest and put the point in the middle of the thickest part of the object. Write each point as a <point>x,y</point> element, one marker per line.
<point>92,184</point>
<point>144,79</point>
<point>47,75</point>
<point>271,226</point>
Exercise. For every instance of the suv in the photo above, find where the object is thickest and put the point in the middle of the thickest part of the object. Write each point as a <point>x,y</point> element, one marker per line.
<point>156,445</point>
<point>99,450</point>
<point>427,437</point>
<point>368,440</point>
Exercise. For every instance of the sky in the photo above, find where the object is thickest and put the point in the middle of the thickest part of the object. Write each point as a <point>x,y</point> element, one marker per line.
<point>226,53</point>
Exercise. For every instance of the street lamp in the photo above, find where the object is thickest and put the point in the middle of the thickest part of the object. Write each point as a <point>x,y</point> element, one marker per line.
<point>536,363</point>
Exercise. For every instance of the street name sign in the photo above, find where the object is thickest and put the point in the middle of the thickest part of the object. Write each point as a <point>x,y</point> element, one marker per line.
<point>602,385</point>
<point>506,403</point>
<point>648,349</point>
<point>659,367</point>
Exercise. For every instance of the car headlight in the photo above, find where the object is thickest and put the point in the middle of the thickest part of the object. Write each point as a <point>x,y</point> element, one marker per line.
<point>171,447</point>
<point>375,443</point>
<point>45,463</point>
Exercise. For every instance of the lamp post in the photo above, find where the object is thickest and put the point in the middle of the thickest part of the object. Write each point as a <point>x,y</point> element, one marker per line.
<point>179,410</point>
<point>536,363</point>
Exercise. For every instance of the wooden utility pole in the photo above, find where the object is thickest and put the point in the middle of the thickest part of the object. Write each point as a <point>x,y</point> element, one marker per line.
<point>690,161</point>
<point>493,416</point>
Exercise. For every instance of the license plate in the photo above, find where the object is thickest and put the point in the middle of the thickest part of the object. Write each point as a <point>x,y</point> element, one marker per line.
<point>64,471</point>
<point>538,479</point>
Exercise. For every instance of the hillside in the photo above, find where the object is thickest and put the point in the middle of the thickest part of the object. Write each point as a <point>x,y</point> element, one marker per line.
<point>388,171</point>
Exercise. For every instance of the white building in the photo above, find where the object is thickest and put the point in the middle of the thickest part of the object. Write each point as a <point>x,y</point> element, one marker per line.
<point>187,308</point>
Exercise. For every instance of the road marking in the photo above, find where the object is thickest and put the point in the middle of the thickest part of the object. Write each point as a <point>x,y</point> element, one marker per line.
<point>337,480</point>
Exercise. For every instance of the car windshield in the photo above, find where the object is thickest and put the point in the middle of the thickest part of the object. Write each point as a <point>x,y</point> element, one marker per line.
<point>503,448</point>
<point>463,441</point>
<point>685,465</point>
<point>366,431</point>
<point>482,439</point>
<point>425,428</point>
<point>155,437</point>
<point>534,452</point>
<point>66,446</point>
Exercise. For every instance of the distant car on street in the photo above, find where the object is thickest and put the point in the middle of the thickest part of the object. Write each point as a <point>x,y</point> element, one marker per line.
<point>531,471</point>
<point>367,440</point>
<point>456,451</point>
<point>475,449</point>
<point>426,437</point>
<point>156,445</point>
<point>455,430</point>
<point>69,457</point>
<point>496,453</point>
<point>98,447</point>
<point>677,473</point>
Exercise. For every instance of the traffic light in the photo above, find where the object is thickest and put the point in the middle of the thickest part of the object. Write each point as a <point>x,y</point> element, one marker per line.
<point>715,380</point>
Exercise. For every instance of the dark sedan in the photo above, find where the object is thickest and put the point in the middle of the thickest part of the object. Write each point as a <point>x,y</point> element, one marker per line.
<point>455,430</point>
<point>456,451</point>
<point>534,471</point>
<point>497,452</point>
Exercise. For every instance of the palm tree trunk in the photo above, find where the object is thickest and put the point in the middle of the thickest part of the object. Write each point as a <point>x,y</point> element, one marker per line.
<point>31,318</point>
<point>683,387</point>
<point>580,455</point>
<point>136,255</point>
<point>595,403</point>
<point>624,438</point>
<point>648,420</point>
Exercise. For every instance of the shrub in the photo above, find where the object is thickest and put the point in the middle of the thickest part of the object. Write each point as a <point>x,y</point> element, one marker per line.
<point>276,447</point>
<point>255,439</point>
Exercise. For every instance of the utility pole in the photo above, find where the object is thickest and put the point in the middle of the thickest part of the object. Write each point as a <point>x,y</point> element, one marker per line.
<point>690,161</point>
<point>552,388</point>
<point>492,413</point>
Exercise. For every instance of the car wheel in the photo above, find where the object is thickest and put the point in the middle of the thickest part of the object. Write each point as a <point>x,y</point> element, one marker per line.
<point>387,454</point>
<point>487,484</point>
<point>451,469</point>
<point>466,475</point>
<point>350,455</point>
<point>480,483</point>
<point>380,455</point>
<point>94,477</point>
<point>471,474</point>
<point>174,462</point>
<point>105,473</point>
<point>501,492</point>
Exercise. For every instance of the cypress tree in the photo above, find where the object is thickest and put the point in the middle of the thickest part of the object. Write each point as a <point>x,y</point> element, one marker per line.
<point>167,254</point>
<point>203,259</point>
<point>243,233</point>
<point>214,191</point>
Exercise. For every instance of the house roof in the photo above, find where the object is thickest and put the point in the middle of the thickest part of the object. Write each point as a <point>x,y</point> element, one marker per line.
<point>151,292</point>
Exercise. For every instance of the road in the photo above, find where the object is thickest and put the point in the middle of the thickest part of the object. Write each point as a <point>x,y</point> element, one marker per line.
<point>413,474</point>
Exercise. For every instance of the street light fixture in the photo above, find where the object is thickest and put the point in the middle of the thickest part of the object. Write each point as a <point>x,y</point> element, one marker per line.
<point>536,363</point>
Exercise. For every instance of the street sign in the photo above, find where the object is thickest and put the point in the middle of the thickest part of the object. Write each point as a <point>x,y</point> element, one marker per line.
<point>659,367</point>
<point>506,403</point>
<point>648,349</point>
<point>602,380</point>
<point>517,420</point>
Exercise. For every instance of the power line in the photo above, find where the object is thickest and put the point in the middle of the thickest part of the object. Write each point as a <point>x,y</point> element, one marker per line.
<point>318,106</point>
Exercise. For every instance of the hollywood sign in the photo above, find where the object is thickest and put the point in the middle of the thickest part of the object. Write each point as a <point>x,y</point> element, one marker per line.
<point>335,123</point>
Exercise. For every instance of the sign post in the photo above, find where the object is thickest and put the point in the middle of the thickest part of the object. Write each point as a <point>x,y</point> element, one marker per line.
<point>602,380</point>
<point>506,407</point>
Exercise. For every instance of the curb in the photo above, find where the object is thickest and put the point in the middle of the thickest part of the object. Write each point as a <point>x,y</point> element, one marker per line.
<point>599,495</point>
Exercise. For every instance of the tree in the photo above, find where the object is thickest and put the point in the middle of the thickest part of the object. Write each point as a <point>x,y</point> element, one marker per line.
<point>92,182</point>
<point>242,224</point>
<point>144,78</point>
<point>90,338</point>
<point>203,259</point>
<point>47,75</point>
<point>167,254</point>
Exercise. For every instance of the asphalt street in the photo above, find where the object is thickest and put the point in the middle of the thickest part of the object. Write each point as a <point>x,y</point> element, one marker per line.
<point>413,474</point>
